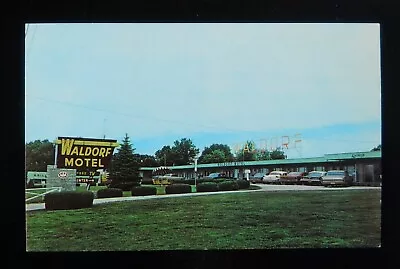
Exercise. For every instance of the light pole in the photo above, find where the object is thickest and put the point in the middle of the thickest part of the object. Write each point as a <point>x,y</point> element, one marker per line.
<point>195,169</point>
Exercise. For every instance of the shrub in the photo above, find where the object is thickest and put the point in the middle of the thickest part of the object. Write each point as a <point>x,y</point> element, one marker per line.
<point>147,181</point>
<point>109,192</point>
<point>189,181</point>
<point>178,188</point>
<point>207,187</point>
<point>142,191</point>
<point>243,184</point>
<point>219,180</point>
<point>228,186</point>
<point>68,200</point>
<point>177,181</point>
<point>101,184</point>
<point>124,186</point>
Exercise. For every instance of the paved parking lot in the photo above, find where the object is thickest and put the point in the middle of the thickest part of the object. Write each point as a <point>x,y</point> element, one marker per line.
<point>271,187</point>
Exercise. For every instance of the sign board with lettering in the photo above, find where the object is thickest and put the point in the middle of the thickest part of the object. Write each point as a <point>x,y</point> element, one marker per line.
<point>60,177</point>
<point>84,154</point>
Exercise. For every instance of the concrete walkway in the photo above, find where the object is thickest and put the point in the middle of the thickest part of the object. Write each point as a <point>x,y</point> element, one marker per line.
<point>265,188</point>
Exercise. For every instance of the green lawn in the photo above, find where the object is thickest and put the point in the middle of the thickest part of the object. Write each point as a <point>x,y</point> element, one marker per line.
<point>258,220</point>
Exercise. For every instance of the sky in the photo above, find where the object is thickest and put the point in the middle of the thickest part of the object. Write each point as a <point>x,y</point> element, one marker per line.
<point>210,82</point>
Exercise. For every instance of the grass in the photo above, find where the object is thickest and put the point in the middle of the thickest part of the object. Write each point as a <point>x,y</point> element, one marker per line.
<point>255,220</point>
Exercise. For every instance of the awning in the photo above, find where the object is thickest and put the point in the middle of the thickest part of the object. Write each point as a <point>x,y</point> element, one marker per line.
<point>162,170</point>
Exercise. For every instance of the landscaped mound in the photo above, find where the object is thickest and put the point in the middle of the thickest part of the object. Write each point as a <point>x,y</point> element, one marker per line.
<point>142,191</point>
<point>178,188</point>
<point>109,192</point>
<point>207,187</point>
<point>228,186</point>
<point>68,200</point>
<point>243,184</point>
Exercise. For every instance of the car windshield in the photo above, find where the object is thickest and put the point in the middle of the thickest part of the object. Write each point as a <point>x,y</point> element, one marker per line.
<point>213,175</point>
<point>335,173</point>
<point>275,173</point>
<point>315,174</point>
<point>294,173</point>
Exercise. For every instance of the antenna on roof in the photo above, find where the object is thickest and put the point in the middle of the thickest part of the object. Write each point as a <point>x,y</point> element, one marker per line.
<point>104,128</point>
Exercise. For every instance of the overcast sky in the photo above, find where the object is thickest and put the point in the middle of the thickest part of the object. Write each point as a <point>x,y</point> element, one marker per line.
<point>213,83</point>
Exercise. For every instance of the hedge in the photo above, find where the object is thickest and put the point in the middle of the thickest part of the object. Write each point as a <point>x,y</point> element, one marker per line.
<point>243,184</point>
<point>142,191</point>
<point>124,186</point>
<point>228,186</point>
<point>68,200</point>
<point>147,181</point>
<point>109,192</point>
<point>207,187</point>
<point>178,188</point>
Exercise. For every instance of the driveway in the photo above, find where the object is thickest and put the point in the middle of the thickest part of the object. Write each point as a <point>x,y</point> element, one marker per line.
<point>264,187</point>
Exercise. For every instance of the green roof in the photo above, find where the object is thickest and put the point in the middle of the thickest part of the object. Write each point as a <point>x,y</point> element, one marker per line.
<point>326,158</point>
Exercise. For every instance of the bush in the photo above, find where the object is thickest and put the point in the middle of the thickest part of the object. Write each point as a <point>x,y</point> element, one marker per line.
<point>178,188</point>
<point>124,186</point>
<point>228,186</point>
<point>177,181</point>
<point>219,180</point>
<point>207,187</point>
<point>142,191</point>
<point>101,184</point>
<point>243,184</point>
<point>109,192</point>
<point>147,181</point>
<point>68,200</point>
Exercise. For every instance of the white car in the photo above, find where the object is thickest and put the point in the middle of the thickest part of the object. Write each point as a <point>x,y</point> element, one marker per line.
<point>274,177</point>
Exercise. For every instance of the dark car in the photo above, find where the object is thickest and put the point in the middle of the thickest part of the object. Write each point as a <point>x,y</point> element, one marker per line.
<point>336,177</point>
<point>313,178</point>
<point>257,177</point>
<point>292,178</point>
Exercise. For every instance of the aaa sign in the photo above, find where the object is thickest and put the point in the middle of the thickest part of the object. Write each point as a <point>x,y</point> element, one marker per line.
<point>84,153</point>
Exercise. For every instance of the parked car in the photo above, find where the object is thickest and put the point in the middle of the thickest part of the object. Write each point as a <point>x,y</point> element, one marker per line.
<point>292,178</point>
<point>274,177</point>
<point>313,178</point>
<point>336,177</point>
<point>257,177</point>
<point>216,175</point>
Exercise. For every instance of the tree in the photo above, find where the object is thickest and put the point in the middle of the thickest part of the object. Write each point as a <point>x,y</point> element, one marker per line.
<point>247,152</point>
<point>165,156</point>
<point>39,154</point>
<point>184,152</point>
<point>277,154</point>
<point>146,160</point>
<point>377,148</point>
<point>216,153</point>
<point>125,167</point>
<point>263,155</point>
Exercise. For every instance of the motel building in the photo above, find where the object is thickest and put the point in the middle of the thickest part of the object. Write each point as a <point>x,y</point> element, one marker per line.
<point>366,165</point>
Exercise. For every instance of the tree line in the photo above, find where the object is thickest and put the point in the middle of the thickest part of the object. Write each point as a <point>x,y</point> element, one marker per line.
<point>40,153</point>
